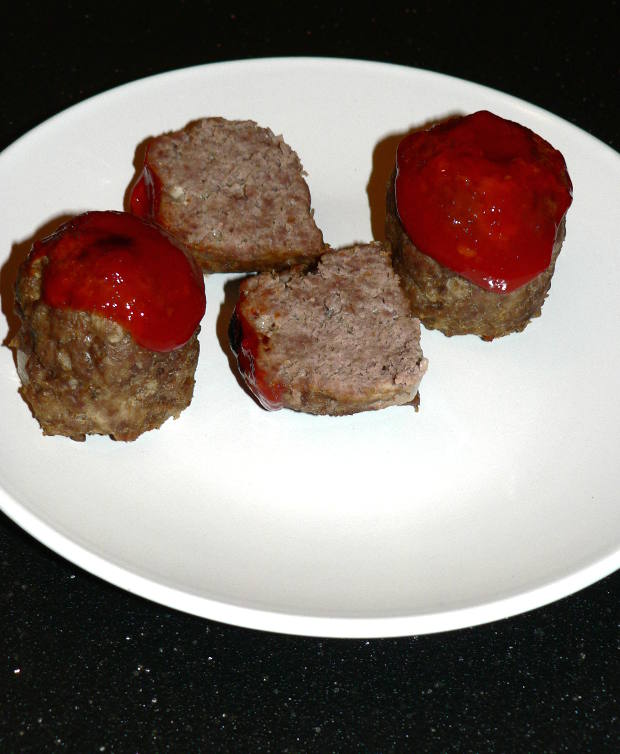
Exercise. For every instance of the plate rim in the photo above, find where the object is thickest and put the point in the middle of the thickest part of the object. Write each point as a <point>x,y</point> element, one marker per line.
<point>304,59</point>
<point>300,624</point>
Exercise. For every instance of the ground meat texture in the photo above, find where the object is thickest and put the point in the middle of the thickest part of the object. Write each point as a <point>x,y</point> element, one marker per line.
<point>336,339</point>
<point>446,301</point>
<point>84,374</point>
<point>232,193</point>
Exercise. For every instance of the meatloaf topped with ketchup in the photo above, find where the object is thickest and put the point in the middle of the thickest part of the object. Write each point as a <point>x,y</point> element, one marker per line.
<point>476,218</point>
<point>110,313</point>
<point>335,339</point>
<point>232,193</point>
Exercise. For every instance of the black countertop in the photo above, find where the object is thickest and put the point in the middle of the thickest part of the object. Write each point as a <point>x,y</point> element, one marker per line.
<point>89,667</point>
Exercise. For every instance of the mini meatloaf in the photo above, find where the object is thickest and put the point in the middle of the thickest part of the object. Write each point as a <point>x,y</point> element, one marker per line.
<point>335,339</point>
<point>110,312</point>
<point>476,219</point>
<point>232,193</point>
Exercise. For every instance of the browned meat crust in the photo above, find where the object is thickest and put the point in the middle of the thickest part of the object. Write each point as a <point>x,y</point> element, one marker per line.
<point>234,194</point>
<point>337,339</point>
<point>84,374</point>
<point>446,301</point>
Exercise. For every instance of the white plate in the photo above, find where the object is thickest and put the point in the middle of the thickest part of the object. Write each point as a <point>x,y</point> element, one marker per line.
<point>499,496</point>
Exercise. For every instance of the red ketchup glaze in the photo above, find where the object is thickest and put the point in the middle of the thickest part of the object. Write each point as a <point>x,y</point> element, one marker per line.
<point>144,199</point>
<point>483,196</point>
<point>268,394</point>
<point>118,266</point>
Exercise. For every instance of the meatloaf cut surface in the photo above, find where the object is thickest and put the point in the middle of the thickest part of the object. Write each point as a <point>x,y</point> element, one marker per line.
<point>336,339</point>
<point>232,193</point>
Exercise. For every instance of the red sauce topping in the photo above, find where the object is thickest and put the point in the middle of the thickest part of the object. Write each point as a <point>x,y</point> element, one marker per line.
<point>483,196</point>
<point>116,265</point>
<point>144,199</point>
<point>246,345</point>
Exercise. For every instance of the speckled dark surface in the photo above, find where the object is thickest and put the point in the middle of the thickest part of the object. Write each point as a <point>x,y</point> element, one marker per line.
<point>87,667</point>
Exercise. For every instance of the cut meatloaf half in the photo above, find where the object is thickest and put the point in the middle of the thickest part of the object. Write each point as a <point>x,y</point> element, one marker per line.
<point>233,194</point>
<point>336,339</point>
<point>446,301</point>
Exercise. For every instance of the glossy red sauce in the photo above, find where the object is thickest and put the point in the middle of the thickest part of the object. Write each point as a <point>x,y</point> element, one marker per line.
<point>116,265</point>
<point>269,394</point>
<point>145,194</point>
<point>483,196</point>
